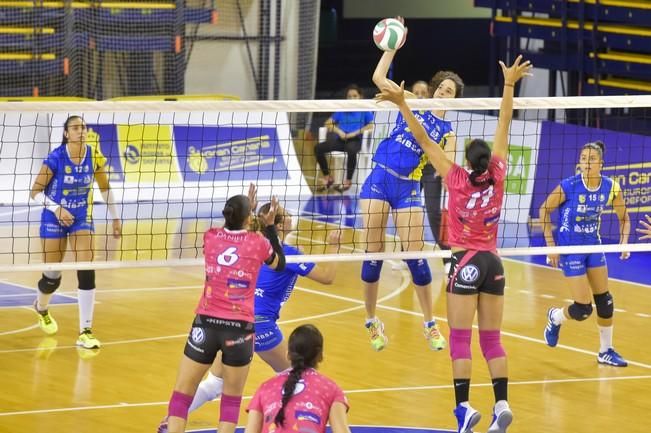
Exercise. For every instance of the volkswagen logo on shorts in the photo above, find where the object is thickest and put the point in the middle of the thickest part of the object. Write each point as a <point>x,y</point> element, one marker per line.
<point>197,335</point>
<point>469,273</point>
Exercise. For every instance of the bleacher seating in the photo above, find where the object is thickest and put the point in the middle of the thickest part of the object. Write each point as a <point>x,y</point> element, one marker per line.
<point>604,45</point>
<point>46,45</point>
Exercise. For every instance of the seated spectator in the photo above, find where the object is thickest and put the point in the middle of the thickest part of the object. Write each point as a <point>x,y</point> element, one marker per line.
<point>345,131</point>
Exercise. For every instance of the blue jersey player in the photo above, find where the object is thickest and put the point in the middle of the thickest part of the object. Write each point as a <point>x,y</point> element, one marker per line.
<point>273,289</point>
<point>64,187</point>
<point>581,199</point>
<point>394,184</point>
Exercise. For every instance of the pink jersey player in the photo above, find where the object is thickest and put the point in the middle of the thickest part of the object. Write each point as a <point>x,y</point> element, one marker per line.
<point>225,321</point>
<point>474,211</point>
<point>233,260</point>
<point>476,279</point>
<point>300,399</point>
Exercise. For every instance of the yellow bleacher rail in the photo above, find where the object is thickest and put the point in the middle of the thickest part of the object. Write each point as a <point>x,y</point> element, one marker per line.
<point>25,4</point>
<point>199,97</point>
<point>619,56</point>
<point>553,22</point>
<point>641,86</point>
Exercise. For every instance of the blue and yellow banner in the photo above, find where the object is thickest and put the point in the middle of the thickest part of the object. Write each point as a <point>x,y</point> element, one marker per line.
<point>225,153</point>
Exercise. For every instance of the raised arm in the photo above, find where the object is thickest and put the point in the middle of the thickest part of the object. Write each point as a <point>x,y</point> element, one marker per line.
<point>396,94</point>
<point>512,75</point>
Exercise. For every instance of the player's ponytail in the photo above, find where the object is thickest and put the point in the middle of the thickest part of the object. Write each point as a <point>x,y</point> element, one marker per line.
<point>305,351</point>
<point>478,155</point>
<point>236,210</point>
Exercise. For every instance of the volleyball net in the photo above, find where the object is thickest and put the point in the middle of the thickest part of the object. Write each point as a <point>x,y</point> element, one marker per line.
<point>173,164</point>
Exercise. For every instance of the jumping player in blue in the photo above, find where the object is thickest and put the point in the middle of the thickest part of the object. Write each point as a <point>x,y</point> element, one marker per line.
<point>64,187</point>
<point>581,199</point>
<point>394,185</point>
<point>273,289</point>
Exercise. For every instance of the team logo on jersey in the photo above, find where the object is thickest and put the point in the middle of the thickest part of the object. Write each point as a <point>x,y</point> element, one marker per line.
<point>469,273</point>
<point>68,169</point>
<point>602,197</point>
<point>300,387</point>
<point>198,335</point>
<point>581,208</point>
<point>581,198</point>
<point>301,415</point>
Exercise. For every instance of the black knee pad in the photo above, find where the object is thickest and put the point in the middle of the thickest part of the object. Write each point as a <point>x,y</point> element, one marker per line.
<point>579,312</point>
<point>86,280</point>
<point>47,285</point>
<point>605,305</point>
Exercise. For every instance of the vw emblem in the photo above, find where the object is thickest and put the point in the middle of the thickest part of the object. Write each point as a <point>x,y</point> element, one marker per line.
<point>469,273</point>
<point>197,335</point>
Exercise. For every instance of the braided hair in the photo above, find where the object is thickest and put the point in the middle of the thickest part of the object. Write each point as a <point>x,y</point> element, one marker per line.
<point>478,155</point>
<point>305,351</point>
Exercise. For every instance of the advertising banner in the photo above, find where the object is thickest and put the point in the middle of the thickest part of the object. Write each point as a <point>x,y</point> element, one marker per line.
<point>627,160</point>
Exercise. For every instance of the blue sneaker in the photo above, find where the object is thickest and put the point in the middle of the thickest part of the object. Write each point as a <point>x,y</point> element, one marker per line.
<point>501,420</point>
<point>467,418</point>
<point>610,357</point>
<point>551,330</point>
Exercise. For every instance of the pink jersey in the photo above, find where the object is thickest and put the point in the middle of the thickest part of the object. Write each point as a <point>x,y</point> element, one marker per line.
<point>233,261</point>
<point>308,409</point>
<point>474,211</point>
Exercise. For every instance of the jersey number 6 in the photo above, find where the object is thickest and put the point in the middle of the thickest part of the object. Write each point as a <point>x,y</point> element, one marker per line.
<point>228,257</point>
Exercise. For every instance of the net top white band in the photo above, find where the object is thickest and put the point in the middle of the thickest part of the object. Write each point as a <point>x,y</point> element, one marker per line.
<point>465,104</point>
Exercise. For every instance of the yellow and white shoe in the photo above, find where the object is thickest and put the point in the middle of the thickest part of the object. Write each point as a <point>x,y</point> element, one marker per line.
<point>87,340</point>
<point>376,331</point>
<point>435,339</point>
<point>46,322</point>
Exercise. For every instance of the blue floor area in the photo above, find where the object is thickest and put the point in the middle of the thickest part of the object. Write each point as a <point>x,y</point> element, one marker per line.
<point>17,296</point>
<point>358,429</point>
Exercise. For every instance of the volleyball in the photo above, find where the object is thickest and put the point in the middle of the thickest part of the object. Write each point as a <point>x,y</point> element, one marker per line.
<point>389,34</point>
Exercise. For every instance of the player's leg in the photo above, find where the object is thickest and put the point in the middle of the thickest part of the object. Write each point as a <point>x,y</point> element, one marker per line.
<point>461,311</point>
<point>597,274</point>
<point>375,214</point>
<point>210,387</point>
<point>409,224</point>
<point>54,249</point>
<point>202,345</point>
<point>272,347</point>
<point>81,242</point>
<point>236,359</point>
<point>332,143</point>
<point>490,311</point>
<point>574,269</point>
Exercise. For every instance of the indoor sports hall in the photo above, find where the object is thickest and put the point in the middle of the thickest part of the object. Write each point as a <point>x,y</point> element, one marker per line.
<point>187,103</point>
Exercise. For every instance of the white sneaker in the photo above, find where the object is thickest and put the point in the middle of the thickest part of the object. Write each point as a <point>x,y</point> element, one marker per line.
<point>501,419</point>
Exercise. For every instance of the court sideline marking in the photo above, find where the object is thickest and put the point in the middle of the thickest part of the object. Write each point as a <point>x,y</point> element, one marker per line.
<point>352,391</point>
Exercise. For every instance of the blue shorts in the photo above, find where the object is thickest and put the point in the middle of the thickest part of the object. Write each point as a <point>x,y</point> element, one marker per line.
<point>52,229</point>
<point>398,192</point>
<point>267,335</point>
<point>574,265</point>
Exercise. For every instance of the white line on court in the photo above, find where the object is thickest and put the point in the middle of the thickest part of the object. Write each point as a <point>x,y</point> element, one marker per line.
<point>125,405</point>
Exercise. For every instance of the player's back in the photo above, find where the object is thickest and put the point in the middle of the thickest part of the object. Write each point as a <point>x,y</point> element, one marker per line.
<point>474,211</point>
<point>232,262</point>
<point>309,407</point>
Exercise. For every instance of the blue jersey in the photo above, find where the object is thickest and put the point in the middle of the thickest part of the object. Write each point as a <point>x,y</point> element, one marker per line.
<point>350,121</point>
<point>580,213</point>
<point>72,184</point>
<point>401,153</point>
<point>274,288</point>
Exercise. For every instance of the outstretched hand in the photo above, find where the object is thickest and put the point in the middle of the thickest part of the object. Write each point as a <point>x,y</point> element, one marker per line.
<point>516,71</point>
<point>645,231</point>
<point>391,92</point>
<point>269,217</point>
<point>253,197</point>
